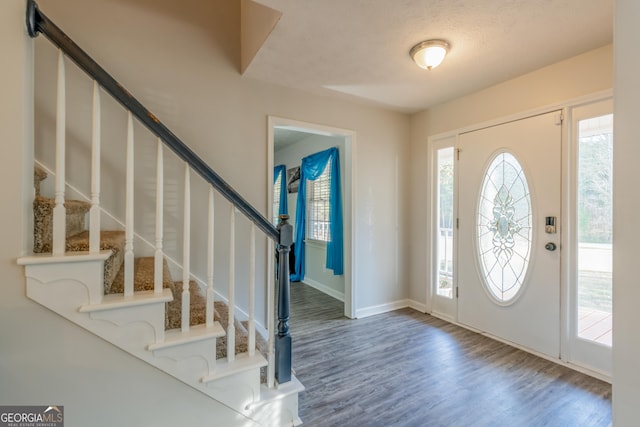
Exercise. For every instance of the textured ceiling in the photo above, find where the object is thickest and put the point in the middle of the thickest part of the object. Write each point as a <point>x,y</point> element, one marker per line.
<point>361,47</point>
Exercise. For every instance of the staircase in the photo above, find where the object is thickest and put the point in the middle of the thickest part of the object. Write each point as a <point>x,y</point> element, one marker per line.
<point>148,325</point>
<point>185,328</point>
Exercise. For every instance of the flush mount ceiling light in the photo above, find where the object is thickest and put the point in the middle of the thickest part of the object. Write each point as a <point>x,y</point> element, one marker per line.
<point>429,54</point>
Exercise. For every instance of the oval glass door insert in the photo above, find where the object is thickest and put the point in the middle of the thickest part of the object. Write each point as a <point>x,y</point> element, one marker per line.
<point>504,228</point>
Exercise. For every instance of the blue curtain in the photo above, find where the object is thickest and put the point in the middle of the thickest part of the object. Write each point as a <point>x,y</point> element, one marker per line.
<point>281,170</point>
<point>311,168</point>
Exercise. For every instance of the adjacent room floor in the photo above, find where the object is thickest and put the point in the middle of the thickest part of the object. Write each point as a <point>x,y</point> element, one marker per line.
<point>406,368</point>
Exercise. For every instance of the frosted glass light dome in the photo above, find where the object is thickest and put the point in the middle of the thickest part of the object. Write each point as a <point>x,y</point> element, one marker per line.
<point>429,54</point>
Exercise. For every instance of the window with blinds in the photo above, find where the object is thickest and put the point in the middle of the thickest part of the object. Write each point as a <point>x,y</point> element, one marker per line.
<point>318,206</point>
<point>277,187</point>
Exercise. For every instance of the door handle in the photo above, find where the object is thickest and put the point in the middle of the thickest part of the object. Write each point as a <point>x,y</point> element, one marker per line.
<point>550,246</point>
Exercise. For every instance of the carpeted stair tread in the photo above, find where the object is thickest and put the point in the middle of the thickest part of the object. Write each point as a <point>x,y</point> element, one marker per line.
<point>72,206</point>
<point>39,175</point>
<point>43,221</point>
<point>198,301</point>
<point>143,276</point>
<point>109,239</point>
<point>261,342</point>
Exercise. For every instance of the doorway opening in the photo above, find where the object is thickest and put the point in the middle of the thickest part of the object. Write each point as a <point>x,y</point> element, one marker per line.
<point>289,142</point>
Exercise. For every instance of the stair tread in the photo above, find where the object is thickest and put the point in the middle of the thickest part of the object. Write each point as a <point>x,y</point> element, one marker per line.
<point>143,276</point>
<point>114,301</point>
<point>109,239</point>
<point>39,173</point>
<point>175,337</point>
<point>72,206</point>
<point>242,362</point>
<point>48,258</point>
<point>198,306</point>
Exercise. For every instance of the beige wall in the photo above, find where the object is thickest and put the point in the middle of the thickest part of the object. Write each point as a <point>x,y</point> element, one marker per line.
<point>626,230</point>
<point>582,75</point>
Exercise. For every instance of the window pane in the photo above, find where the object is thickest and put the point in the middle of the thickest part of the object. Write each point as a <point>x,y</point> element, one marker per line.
<point>318,206</point>
<point>504,227</point>
<point>277,187</point>
<point>595,231</point>
<point>445,223</point>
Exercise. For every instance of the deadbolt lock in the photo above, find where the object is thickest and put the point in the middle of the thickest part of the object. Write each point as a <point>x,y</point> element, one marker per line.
<point>550,225</point>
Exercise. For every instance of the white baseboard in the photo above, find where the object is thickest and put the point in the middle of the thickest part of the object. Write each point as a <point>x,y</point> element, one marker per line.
<point>382,308</point>
<point>445,317</point>
<point>324,289</point>
<point>418,306</point>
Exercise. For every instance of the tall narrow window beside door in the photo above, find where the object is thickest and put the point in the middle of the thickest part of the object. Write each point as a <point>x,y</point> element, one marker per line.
<point>318,206</point>
<point>445,223</point>
<point>594,228</point>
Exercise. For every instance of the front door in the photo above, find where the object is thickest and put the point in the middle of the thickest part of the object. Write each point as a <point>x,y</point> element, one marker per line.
<point>509,232</point>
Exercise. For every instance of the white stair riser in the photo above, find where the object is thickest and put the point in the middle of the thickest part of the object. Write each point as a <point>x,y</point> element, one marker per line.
<point>279,404</point>
<point>238,391</point>
<point>152,314</point>
<point>89,274</point>
<point>206,350</point>
<point>274,412</point>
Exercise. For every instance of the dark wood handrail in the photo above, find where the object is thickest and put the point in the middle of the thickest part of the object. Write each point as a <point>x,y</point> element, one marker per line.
<point>37,22</point>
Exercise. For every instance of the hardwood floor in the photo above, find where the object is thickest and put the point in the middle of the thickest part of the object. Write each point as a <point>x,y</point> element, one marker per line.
<point>406,368</point>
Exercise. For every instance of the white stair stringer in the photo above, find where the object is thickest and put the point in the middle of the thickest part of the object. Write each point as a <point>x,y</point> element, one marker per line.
<point>71,285</point>
<point>145,306</point>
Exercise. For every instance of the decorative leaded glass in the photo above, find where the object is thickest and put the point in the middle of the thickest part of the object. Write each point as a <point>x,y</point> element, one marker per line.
<point>504,227</point>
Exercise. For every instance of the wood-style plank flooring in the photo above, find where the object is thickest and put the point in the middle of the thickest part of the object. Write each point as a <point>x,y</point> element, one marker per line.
<point>406,368</point>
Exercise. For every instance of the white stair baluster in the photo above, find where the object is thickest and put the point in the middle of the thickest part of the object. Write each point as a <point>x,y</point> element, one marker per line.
<point>94,212</point>
<point>128,235</point>
<point>59,210</point>
<point>252,290</point>
<point>186,240</point>
<point>231,329</point>
<point>158,256</point>
<point>210,261</point>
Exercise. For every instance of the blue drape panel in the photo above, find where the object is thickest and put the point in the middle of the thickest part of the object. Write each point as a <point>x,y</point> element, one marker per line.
<point>311,168</point>
<point>281,170</point>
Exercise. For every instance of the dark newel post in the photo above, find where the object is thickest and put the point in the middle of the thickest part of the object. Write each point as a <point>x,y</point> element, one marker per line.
<point>283,339</point>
